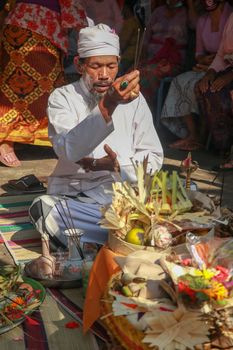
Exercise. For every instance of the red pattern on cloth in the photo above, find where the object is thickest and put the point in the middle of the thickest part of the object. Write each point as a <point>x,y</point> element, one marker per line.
<point>48,23</point>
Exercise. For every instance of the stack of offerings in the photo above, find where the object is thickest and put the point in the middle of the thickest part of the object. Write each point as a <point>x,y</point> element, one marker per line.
<point>153,214</point>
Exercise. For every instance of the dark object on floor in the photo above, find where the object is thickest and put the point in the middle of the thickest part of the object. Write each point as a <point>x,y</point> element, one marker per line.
<point>26,184</point>
<point>227,166</point>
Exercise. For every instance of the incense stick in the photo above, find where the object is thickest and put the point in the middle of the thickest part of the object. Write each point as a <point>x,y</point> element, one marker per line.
<point>64,222</point>
<point>136,49</point>
<point>69,225</point>
<point>72,222</point>
<point>140,48</point>
<point>75,238</point>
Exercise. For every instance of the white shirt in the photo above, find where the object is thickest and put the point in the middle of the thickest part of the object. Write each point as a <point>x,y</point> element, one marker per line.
<point>77,129</point>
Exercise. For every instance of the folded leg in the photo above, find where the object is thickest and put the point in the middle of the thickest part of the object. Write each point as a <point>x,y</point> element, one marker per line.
<point>47,214</point>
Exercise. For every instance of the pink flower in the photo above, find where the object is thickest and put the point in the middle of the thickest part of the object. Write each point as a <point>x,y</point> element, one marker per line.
<point>223,274</point>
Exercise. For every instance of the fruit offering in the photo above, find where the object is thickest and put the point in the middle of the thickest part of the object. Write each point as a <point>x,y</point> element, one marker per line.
<point>143,213</point>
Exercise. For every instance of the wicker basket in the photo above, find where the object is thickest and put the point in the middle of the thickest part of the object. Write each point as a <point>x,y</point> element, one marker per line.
<point>119,328</point>
<point>125,334</point>
<point>122,247</point>
<point>118,245</point>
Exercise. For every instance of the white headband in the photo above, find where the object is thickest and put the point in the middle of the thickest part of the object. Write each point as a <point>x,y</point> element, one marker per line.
<point>99,40</point>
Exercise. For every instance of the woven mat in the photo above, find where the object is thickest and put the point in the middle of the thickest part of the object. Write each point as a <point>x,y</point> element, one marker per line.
<point>17,233</point>
<point>19,243</point>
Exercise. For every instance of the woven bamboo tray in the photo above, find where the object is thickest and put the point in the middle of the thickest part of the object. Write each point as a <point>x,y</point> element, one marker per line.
<point>125,334</point>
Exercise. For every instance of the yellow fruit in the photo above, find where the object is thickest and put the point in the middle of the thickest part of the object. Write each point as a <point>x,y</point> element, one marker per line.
<point>135,236</point>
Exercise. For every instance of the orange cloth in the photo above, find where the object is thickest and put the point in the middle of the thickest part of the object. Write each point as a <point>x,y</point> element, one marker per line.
<point>102,270</point>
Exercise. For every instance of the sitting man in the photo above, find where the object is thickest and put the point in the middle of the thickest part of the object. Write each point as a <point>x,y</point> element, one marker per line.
<point>98,126</point>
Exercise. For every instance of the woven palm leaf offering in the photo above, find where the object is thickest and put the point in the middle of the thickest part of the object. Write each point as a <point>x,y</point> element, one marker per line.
<point>154,212</point>
<point>142,309</point>
<point>204,282</point>
<point>19,296</point>
<point>181,302</point>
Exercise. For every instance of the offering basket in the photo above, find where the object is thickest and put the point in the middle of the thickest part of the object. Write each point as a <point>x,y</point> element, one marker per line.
<point>125,335</point>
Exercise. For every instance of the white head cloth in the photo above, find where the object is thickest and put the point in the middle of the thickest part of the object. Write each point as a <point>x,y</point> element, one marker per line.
<point>99,40</point>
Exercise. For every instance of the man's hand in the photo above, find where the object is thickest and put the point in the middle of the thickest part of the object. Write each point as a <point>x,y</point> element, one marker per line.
<point>204,84</point>
<point>123,90</point>
<point>200,68</point>
<point>206,59</point>
<point>109,162</point>
<point>222,81</point>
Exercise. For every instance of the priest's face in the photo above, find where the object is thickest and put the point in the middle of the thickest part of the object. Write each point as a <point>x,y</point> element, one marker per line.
<point>99,72</point>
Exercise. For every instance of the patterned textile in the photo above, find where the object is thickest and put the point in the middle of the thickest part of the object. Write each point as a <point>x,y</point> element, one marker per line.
<point>16,231</point>
<point>216,107</point>
<point>180,101</point>
<point>26,84</point>
<point>51,24</point>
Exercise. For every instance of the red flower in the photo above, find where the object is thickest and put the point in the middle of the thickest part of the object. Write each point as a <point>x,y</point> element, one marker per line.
<point>13,314</point>
<point>183,288</point>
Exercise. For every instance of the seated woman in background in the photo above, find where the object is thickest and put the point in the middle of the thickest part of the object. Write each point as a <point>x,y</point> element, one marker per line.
<point>214,92</point>
<point>164,46</point>
<point>180,107</point>
<point>128,36</point>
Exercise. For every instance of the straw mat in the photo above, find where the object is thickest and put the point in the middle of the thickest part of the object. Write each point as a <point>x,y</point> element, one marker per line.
<point>18,234</point>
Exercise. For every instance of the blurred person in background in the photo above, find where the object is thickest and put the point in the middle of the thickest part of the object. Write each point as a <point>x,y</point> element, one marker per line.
<point>128,36</point>
<point>34,41</point>
<point>164,46</point>
<point>214,93</point>
<point>104,11</point>
<point>180,110</point>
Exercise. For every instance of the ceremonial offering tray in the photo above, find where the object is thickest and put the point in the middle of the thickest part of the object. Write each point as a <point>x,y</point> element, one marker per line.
<point>123,332</point>
<point>182,301</point>
<point>155,213</point>
<point>19,297</point>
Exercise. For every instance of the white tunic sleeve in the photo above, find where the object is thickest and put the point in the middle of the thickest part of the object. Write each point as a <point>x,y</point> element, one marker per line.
<point>73,134</point>
<point>145,141</point>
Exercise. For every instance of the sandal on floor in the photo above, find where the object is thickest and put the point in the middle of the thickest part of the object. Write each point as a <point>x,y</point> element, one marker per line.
<point>8,160</point>
<point>26,184</point>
